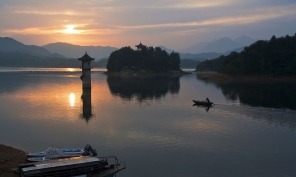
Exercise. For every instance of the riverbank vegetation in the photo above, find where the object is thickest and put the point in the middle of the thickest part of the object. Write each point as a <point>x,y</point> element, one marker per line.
<point>276,57</point>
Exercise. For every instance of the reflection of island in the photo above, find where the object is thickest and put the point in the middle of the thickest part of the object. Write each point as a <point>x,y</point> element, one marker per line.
<point>263,94</point>
<point>273,95</point>
<point>86,107</point>
<point>143,88</point>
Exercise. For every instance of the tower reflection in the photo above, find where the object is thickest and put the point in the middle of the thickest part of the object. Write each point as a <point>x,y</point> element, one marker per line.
<point>86,85</point>
<point>86,106</point>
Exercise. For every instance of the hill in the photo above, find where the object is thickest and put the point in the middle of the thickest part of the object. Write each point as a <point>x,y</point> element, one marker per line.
<point>18,59</point>
<point>196,48</point>
<point>191,60</point>
<point>221,45</point>
<point>11,45</point>
<point>74,51</point>
<point>276,57</point>
<point>8,44</point>
<point>245,40</point>
<point>166,49</point>
<point>16,54</point>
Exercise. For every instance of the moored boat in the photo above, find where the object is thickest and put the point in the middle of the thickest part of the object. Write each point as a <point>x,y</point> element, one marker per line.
<point>78,166</point>
<point>55,153</point>
<point>54,150</point>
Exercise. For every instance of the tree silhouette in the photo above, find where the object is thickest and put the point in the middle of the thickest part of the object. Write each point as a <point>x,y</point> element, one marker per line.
<point>276,56</point>
<point>148,58</point>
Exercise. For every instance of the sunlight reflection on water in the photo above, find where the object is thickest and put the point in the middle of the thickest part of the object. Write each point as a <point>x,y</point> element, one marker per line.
<point>72,99</point>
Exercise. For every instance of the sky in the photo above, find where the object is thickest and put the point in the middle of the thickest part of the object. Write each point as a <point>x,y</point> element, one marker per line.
<point>175,24</point>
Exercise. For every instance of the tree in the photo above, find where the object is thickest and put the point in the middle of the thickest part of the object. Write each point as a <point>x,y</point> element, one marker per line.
<point>274,57</point>
<point>154,59</point>
<point>175,60</point>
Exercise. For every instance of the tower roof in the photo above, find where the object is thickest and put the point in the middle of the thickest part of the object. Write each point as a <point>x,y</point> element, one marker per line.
<point>85,57</point>
<point>140,45</point>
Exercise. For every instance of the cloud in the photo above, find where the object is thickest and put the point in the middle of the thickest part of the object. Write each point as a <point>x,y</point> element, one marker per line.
<point>199,4</point>
<point>55,31</point>
<point>42,12</point>
<point>187,32</point>
<point>161,4</point>
<point>260,15</point>
<point>29,31</point>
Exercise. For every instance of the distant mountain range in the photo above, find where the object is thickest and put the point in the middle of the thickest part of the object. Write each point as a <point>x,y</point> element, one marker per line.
<point>11,45</point>
<point>15,54</point>
<point>75,51</point>
<point>198,52</point>
<point>221,45</point>
<point>203,50</point>
<point>202,56</point>
<point>57,50</point>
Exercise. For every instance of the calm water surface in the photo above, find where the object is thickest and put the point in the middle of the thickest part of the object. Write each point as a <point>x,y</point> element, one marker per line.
<point>151,123</point>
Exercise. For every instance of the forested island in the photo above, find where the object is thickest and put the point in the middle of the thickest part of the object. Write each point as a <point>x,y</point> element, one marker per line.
<point>144,59</point>
<point>276,57</point>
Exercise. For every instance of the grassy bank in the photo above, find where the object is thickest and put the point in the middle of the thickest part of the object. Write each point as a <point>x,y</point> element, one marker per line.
<point>10,158</point>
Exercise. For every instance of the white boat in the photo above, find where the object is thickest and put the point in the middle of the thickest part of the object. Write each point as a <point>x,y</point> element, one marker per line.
<point>57,153</point>
<point>54,153</point>
<point>78,167</point>
<point>45,158</point>
<point>39,154</point>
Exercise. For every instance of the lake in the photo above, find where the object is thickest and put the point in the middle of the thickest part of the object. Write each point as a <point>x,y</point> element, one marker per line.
<point>151,123</point>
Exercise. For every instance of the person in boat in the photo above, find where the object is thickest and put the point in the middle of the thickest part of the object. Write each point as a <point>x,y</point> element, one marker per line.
<point>207,99</point>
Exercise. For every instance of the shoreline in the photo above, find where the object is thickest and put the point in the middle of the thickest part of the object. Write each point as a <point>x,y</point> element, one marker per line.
<point>10,158</point>
<point>217,77</point>
<point>142,73</point>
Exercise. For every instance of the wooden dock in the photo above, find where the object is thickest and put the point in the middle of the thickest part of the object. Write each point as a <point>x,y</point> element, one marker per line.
<point>77,166</point>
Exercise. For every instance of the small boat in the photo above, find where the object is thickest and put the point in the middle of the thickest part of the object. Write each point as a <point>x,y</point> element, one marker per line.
<point>54,150</point>
<point>78,166</point>
<point>55,153</point>
<point>202,103</point>
<point>45,158</point>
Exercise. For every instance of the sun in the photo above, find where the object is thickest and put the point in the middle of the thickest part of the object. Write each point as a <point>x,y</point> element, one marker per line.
<point>70,29</point>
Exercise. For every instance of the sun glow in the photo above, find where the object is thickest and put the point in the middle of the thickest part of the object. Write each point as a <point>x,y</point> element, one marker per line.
<point>70,29</point>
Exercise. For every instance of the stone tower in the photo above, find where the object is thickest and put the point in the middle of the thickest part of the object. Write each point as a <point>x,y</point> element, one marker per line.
<point>86,71</point>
